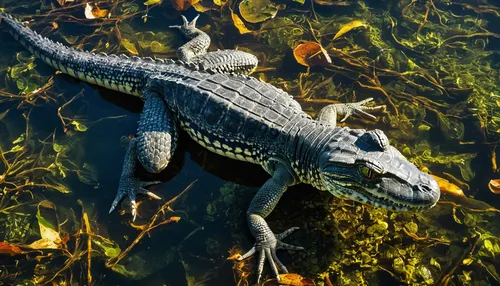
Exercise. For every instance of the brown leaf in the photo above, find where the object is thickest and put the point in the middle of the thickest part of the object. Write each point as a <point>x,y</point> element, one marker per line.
<point>494,186</point>
<point>311,54</point>
<point>181,5</point>
<point>449,188</point>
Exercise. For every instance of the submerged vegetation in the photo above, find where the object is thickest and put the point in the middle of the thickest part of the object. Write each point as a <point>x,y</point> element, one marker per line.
<point>435,64</point>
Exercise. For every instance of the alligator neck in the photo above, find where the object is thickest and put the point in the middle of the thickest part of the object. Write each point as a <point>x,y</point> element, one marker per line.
<point>309,142</point>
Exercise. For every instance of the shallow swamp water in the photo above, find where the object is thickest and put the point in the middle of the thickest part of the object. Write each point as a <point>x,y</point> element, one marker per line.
<point>434,64</point>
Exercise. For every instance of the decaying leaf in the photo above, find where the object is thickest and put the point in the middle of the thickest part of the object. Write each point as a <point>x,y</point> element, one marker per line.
<point>256,11</point>
<point>449,188</point>
<point>95,12</point>
<point>50,237</point>
<point>494,186</point>
<point>238,23</point>
<point>12,249</point>
<point>181,5</point>
<point>311,54</point>
<point>348,27</point>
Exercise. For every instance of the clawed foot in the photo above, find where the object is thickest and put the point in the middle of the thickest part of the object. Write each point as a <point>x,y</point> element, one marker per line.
<point>329,113</point>
<point>186,25</point>
<point>130,187</point>
<point>267,249</point>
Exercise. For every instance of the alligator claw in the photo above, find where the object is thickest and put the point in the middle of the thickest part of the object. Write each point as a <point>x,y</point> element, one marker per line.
<point>267,249</point>
<point>130,187</point>
<point>329,113</point>
<point>359,108</point>
<point>186,23</point>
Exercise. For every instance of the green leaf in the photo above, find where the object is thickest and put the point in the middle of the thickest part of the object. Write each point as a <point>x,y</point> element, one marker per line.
<point>79,126</point>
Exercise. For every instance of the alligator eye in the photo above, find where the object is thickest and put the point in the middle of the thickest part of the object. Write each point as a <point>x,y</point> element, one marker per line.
<point>368,173</point>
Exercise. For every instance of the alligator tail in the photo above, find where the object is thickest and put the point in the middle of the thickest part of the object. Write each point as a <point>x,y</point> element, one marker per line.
<point>117,73</point>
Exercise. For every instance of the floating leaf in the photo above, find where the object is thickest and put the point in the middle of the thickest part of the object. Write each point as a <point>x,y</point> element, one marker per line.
<point>152,2</point>
<point>311,54</point>
<point>447,187</point>
<point>181,5</point>
<point>348,27</point>
<point>256,11</point>
<point>494,186</point>
<point>238,23</point>
<point>93,13</point>
<point>79,126</point>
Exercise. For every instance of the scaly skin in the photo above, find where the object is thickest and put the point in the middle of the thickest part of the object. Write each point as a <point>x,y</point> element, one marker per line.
<point>225,61</point>
<point>245,119</point>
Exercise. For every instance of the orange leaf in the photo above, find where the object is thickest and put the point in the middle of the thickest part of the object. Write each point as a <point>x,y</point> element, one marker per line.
<point>181,5</point>
<point>494,186</point>
<point>6,248</point>
<point>311,54</point>
<point>238,23</point>
<point>449,188</point>
<point>293,279</point>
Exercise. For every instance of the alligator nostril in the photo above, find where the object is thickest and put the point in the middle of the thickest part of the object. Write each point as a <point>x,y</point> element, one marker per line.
<point>422,188</point>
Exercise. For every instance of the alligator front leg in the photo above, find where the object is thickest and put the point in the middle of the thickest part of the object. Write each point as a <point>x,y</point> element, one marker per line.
<point>261,206</point>
<point>329,113</point>
<point>153,147</point>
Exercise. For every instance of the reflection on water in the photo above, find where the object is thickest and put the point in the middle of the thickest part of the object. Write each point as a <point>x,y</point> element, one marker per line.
<point>435,64</point>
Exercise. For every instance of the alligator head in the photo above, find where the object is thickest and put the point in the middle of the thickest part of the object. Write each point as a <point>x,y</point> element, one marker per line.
<point>362,166</point>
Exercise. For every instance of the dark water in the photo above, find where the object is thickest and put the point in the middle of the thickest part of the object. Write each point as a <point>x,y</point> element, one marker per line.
<point>454,244</point>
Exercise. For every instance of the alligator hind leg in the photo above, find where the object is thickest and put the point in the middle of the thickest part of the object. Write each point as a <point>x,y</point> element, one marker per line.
<point>223,61</point>
<point>329,113</point>
<point>153,147</point>
<point>199,40</point>
<point>261,206</point>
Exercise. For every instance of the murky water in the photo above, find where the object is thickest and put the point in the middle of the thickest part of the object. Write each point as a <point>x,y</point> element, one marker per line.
<point>435,64</point>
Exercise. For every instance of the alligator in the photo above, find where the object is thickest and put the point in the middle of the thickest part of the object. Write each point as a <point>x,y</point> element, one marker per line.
<point>241,117</point>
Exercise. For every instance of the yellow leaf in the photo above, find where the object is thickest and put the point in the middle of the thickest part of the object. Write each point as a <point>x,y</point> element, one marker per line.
<point>220,2</point>
<point>447,187</point>
<point>200,8</point>
<point>79,126</point>
<point>238,23</point>
<point>129,46</point>
<point>349,26</point>
<point>152,2</point>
